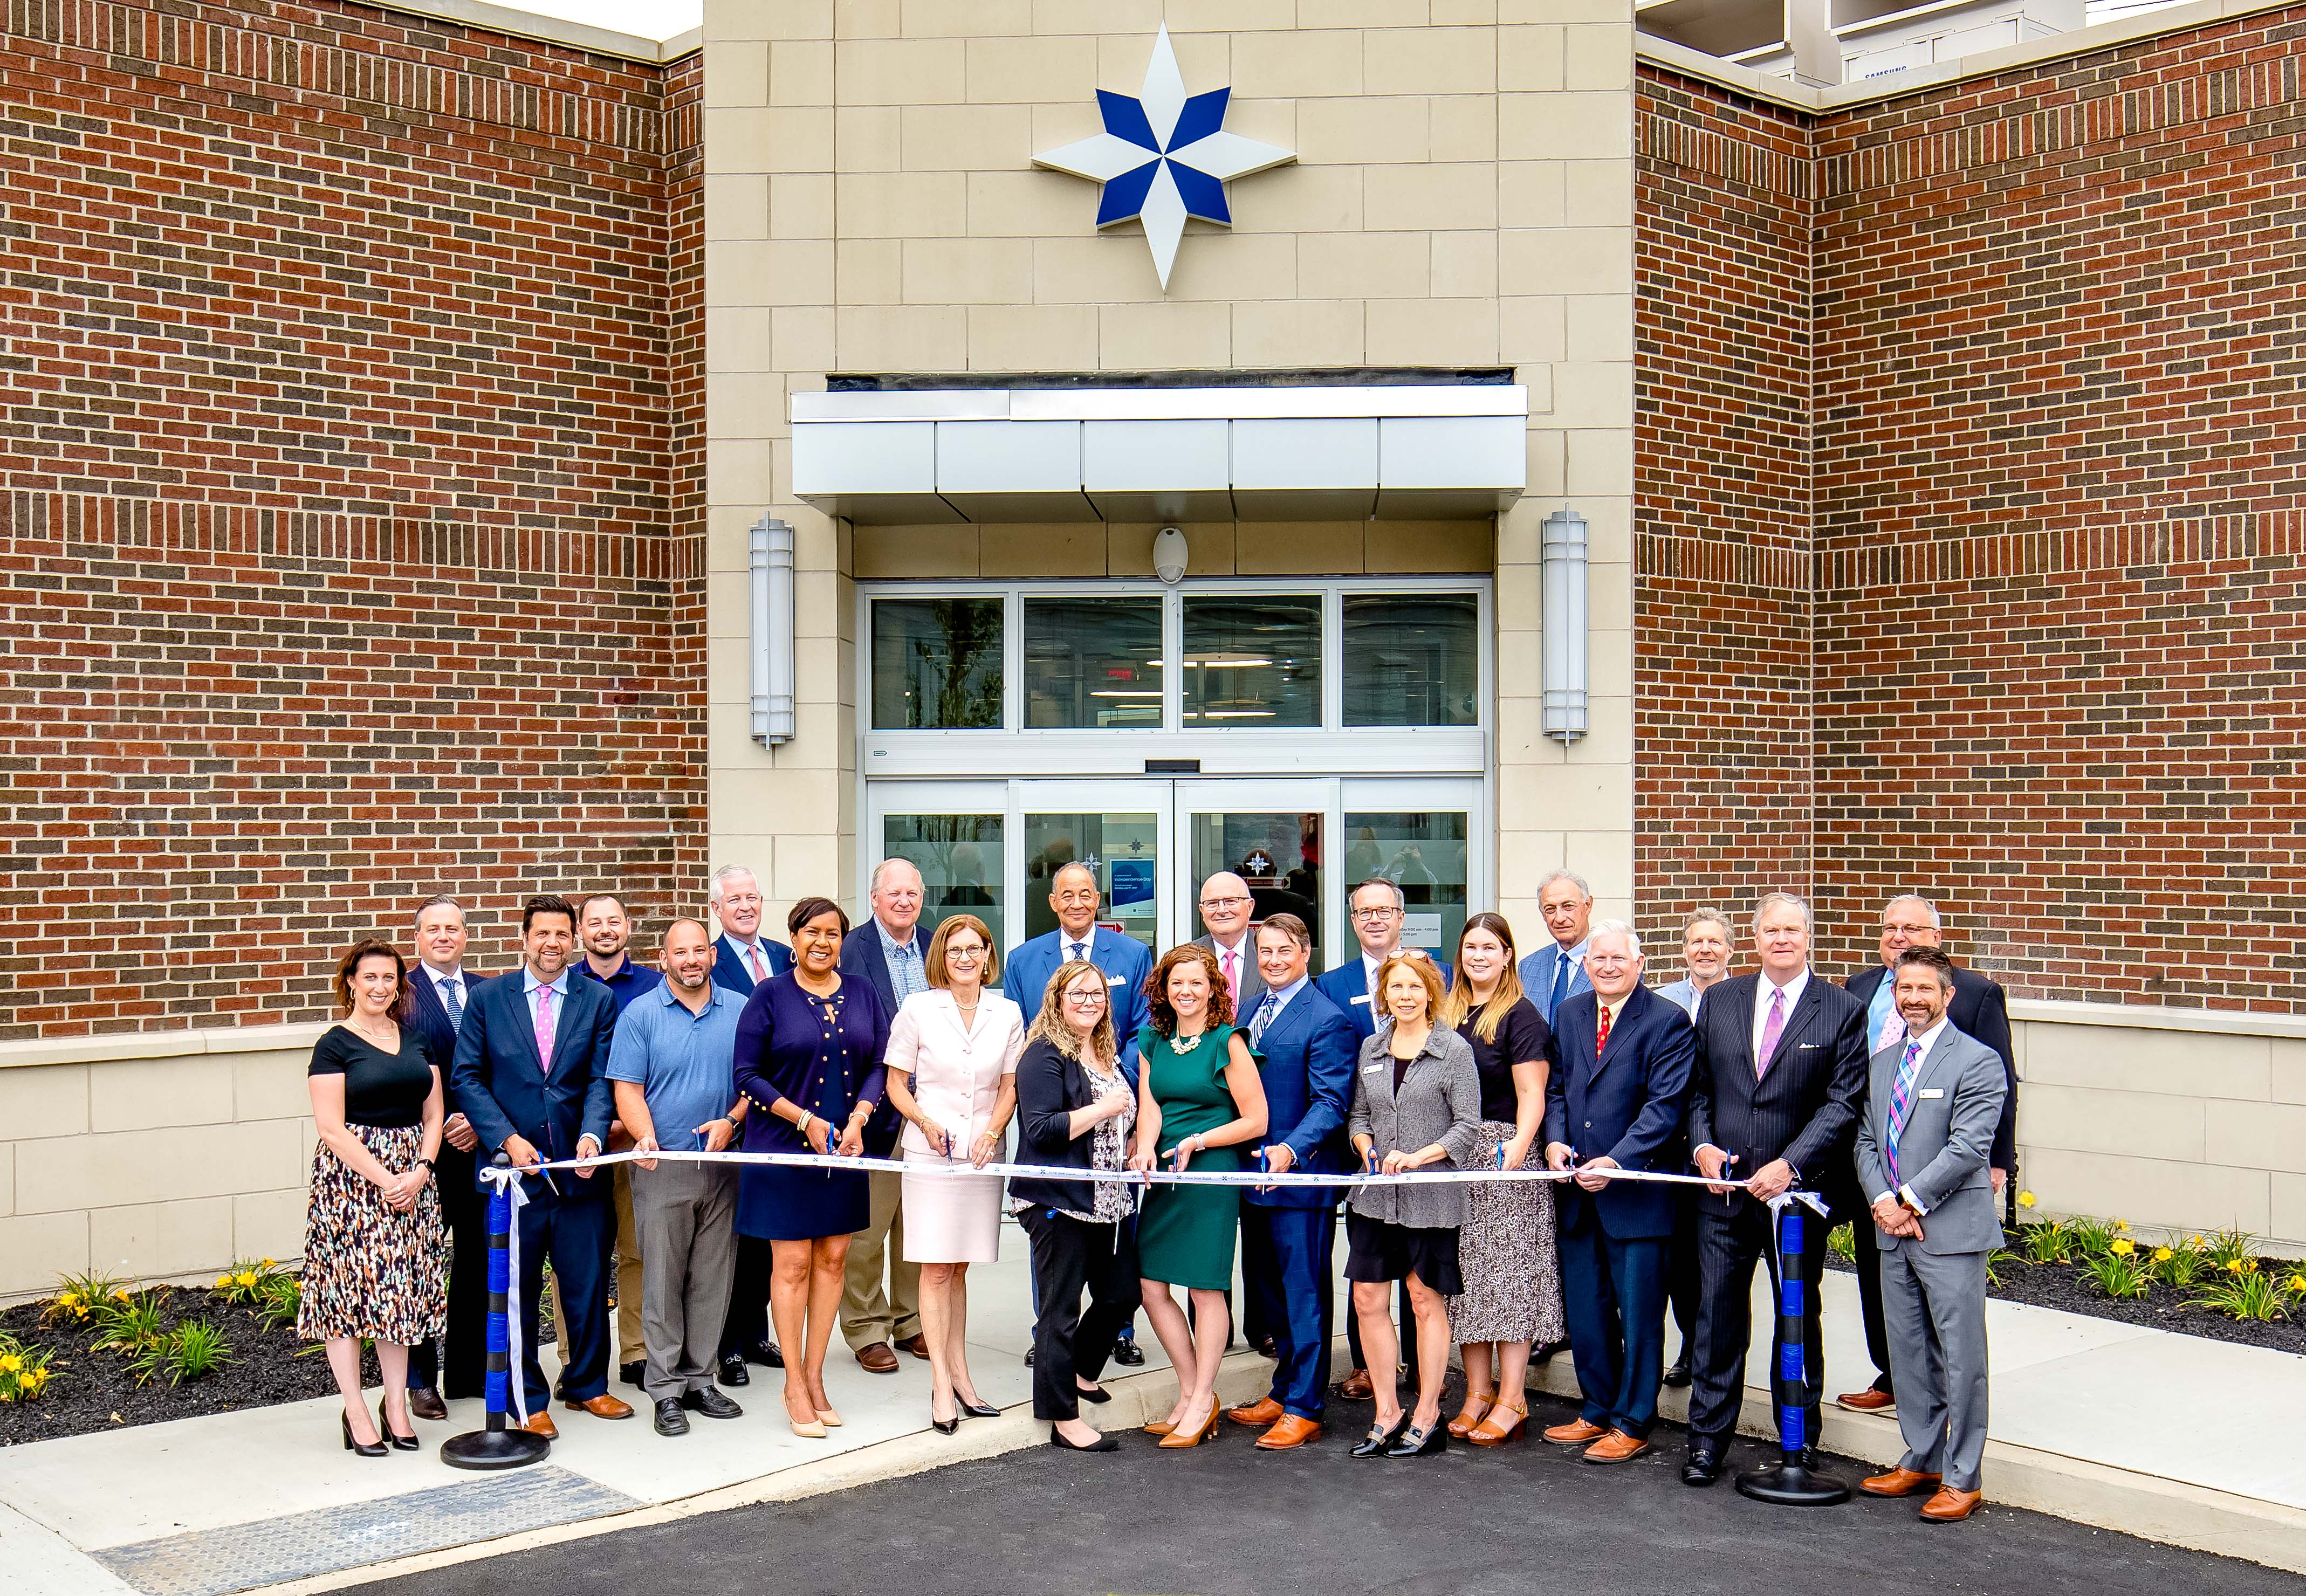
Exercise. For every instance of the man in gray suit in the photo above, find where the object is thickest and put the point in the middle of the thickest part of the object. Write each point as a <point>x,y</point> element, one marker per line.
<point>1226,910</point>
<point>1935,1099</point>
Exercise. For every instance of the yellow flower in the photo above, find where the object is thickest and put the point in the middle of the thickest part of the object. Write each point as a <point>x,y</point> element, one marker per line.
<point>2233,1266</point>
<point>247,1277</point>
<point>2122,1224</point>
<point>32,1380</point>
<point>121,1292</point>
<point>2125,1249</point>
<point>268,1263</point>
<point>2025,1199</point>
<point>2298,1284</point>
<point>224,1283</point>
<point>10,1362</point>
<point>2162,1255</point>
<point>67,1299</point>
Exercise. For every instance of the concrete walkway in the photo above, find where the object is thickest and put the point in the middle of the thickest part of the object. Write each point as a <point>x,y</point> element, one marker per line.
<point>2170,1436</point>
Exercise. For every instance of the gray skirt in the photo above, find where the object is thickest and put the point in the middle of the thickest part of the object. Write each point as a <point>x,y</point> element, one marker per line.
<point>1506,1254</point>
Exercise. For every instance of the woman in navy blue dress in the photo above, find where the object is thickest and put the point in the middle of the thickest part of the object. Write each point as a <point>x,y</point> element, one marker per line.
<point>808,1059</point>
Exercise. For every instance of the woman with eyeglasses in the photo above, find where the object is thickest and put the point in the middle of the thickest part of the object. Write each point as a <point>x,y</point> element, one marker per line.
<point>1075,1111</point>
<point>952,1062</point>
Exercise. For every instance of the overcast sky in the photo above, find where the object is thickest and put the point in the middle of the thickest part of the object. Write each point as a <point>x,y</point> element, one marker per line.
<point>650,19</point>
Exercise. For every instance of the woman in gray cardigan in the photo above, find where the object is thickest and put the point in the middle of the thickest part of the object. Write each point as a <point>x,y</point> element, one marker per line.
<point>1417,1103</point>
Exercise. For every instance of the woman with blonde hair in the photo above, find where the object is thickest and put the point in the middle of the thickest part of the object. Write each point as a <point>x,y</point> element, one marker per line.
<point>1506,1247</point>
<point>953,1062</point>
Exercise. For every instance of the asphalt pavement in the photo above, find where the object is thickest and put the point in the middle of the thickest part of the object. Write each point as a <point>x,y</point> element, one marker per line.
<point>1224,1518</point>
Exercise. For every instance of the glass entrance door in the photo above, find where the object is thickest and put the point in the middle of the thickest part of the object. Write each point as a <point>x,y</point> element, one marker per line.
<point>1119,831</point>
<point>1272,834</point>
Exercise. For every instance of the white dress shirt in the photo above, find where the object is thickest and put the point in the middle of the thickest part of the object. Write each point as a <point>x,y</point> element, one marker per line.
<point>1793,990</point>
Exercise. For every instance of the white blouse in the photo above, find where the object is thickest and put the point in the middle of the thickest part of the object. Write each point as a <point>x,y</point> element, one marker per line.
<point>955,1068</point>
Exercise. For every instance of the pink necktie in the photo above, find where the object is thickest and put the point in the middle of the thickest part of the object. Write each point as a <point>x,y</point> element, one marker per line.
<point>753,954</point>
<point>1893,1026</point>
<point>544,1029</point>
<point>1770,1032</point>
<point>1233,956</point>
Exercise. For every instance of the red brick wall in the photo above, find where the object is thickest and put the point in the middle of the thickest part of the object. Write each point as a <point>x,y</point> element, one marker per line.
<point>337,539</point>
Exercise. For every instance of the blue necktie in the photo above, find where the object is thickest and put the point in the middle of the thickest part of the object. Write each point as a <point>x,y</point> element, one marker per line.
<point>1560,984</point>
<point>1081,952</point>
<point>1259,1021</point>
<point>452,1003</point>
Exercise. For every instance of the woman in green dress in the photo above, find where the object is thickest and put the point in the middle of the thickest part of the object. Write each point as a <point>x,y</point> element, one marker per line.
<point>1199,1105</point>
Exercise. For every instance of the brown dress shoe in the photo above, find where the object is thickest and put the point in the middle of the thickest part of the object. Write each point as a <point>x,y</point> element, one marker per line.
<point>603,1406</point>
<point>919,1346</point>
<point>1897,1483</point>
<point>880,1358</point>
<point>1575,1433</point>
<point>1951,1506</point>
<point>1257,1414</point>
<point>1868,1401</point>
<point>1356,1386</point>
<point>1288,1433</point>
<point>1617,1446</point>
<point>425,1403</point>
<point>540,1423</point>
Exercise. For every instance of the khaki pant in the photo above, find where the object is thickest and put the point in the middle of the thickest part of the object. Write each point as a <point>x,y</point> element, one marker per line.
<point>868,1314</point>
<point>632,1343</point>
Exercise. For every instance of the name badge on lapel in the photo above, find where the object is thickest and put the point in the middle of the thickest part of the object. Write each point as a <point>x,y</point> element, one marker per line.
<point>1932,1091</point>
<point>1363,1000</point>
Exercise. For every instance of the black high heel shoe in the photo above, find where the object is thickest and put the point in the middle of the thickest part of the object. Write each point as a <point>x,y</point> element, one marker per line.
<point>1433,1439</point>
<point>942,1426</point>
<point>1103,1443</point>
<point>1379,1439</point>
<point>405,1443</point>
<point>976,1410</point>
<point>365,1448</point>
<point>1099,1394</point>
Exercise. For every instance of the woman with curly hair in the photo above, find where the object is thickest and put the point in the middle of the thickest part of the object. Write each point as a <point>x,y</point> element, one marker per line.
<point>373,1245</point>
<point>1200,1105</point>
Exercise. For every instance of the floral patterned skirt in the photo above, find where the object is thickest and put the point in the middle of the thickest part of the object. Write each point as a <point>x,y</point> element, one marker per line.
<point>1506,1254</point>
<point>368,1271</point>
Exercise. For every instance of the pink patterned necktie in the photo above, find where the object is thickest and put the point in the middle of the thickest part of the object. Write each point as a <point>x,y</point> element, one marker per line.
<point>1772,1030</point>
<point>544,1029</point>
<point>753,956</point>
<point>1893,1026</point>
<point>1902,1103</point>
<point>1232,958</point>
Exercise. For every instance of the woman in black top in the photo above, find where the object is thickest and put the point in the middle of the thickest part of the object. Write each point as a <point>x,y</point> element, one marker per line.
<point>373,1245</point>
<point>1075,1110</point>
<point>1512,1280</point>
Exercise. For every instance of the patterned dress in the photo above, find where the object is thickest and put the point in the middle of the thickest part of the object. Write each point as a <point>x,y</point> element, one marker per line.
<point>367,1270</point>
<point>1506,1247</point>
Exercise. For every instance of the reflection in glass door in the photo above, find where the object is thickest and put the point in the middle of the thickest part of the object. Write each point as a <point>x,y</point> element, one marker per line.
<point>958,854</point>
<point>1117,829</point>
<point>1271,834</point>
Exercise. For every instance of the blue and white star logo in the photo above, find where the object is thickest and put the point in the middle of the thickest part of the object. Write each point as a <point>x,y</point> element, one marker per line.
<point>1164,157</point>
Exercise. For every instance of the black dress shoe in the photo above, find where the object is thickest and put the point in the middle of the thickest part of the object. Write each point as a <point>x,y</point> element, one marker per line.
<point>733,1371</point>
<point>1429,1442</point>
<point>630,1373</point>
<point>1128,1354</point>
<point>1380,1440</point>
<point>1029,1357</point>
<point>1704,1467</point>
<point>1103,1443</point>
<point>365,1448</point>
<point>1099,1394</point>
<point>1269,1348</point>
<point>669,1419</point>
<point>1677,1376</point>
<point>1543,1352</point>
<point>424,1402</point>
<point>711,1404</point>
<point>400,1442</point>
<point>768,1354</point>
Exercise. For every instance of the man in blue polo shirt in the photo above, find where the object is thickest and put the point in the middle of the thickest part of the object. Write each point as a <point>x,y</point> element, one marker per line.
<point>673,1069</point>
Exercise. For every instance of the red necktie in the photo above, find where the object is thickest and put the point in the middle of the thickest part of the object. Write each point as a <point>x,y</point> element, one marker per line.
<point>1602,1032</point>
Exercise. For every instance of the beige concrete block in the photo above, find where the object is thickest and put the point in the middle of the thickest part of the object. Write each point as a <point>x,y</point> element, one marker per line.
<point>45,1100</point>
<point>1044,550</point>
<point>140,1166</point>
<point>803,340</point>
<point>37,1248</point>
<point>2286,1221</point>
<point>1364,131</point>
<point>1299,548</point>
<point>155,1239</point>
<point>1300,65</point>
<point>1520,722</point>
<point>1599,461</point>
<point>1222,16</point>
<point>2129,1124</point>
<point>1513,12</point>
<point>1520,655</point>
<point>737,338</point>
<point>969,270</point>
<point>2255,1135</point>
<point>800,205</point>
<point>1517,598</point>
<point>1598,56</point>
<point>1137,338</point>
<point>1365,265</point>
<point>1466,267</point>
<point>1599,194</point>
<point>2124,1059</point>
<point>1460,195</point>
<point>800,72</point>
<point>1577,798</point>
<point>740,468</point>
<point>1369,13</point>
<point>808,863</point>
<point>870,270</point>
<point>1460,13</point>
<point>901,204</point>
<point>1549,461</point>
<point>1430,61</point>
<point>1532,329</point>
<point>902,338</point>
<point>1610,529</point>
<point>7,1178</point>
<point>1609,736</point>
<point>901,72</point>
<point>1303,198</point>
<point>746,402</point>
<point>737,72</point>
<point>1125,17</point>
<point>764,272</point>
<point>868,138</point>
<point>1533,193</point>
<point>1610,667</point>
<point>935,19</point>
<point>145,1094</point>
<point>962,138</point>
<point>1209,548</point>
<point>1606,859</point>
<point>769,19</point>
<point>2287,1060</point>
<point>867,19</point>
<point>267,1225</point>
<point>1026,204</point>
<point>1564,262</point>
<point>2151,1193</point>
<point>736,206</point>
<point>1530,58</point>
<point>1565,126</point>
<point>1298,332</point>
<point>1464,127</point>
<point>1096,267</point>
<point>816,594</point>
<point>1015,69</point>
<point>1610,597</point>
<point>1429,331</point>
<point>1430,547</point>
<point>1214,263</point>
<point>1032,337</point>
<point>1591,394</point>
<point>881,552</point>
<point>1601,328</point>
<point>1120,58</point>
<point>768,139</point>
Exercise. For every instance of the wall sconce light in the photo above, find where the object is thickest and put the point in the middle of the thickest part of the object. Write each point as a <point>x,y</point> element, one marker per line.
<point>1562,556</point>
<point>1169,555</point>
<point>771,576</point>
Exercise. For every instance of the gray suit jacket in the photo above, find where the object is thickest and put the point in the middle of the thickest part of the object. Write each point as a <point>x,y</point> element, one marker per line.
<point>1251,978</point>
<point>1440,1101</point>
<point>1943,1151</point>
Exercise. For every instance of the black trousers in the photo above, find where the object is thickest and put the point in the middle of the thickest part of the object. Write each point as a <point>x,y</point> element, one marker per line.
<point>1071,1256</point>
<point>748,1324</point>
<point>459,1366</point>
<point>1683,1283</point>
<point>1869,1302</point>
<point>1732,1236</point>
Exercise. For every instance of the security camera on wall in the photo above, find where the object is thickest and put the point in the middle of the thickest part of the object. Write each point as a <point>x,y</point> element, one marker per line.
<point>1169,554</point>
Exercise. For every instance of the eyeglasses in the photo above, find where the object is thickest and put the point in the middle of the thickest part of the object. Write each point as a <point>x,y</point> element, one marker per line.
<point>1086,997</point>
<point>1375,913</point>
<point>1224,903</point>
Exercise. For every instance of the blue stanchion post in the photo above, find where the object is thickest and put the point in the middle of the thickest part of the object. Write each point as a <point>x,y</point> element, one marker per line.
<point>497,1445</point>
<point>1790,1481</point>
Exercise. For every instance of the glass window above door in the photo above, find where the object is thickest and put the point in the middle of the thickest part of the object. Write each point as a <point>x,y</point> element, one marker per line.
<point>1412,658</point>
<point>1253,660</point>
<point>1093,662</point>
<point>937,663</point>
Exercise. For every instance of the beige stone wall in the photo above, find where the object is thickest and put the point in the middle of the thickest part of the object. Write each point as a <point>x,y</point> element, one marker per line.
<point>1463,195</point>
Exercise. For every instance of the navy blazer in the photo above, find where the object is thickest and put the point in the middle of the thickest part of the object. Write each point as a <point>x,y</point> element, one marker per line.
<point>1806,1110</point>
<point>1127,967</point>
<point>500,1089</point>
<point>1537,977</point>
<point>1347,987</point>
<point>1623,1102</point>
<point>430,1022</point>
<point>1307,1065</point>
<point>1981,1012</point>
<point>729,964</point>
<point>862,960</point>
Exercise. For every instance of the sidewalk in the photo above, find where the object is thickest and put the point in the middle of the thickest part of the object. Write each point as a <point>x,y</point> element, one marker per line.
<point>2139,1430</point>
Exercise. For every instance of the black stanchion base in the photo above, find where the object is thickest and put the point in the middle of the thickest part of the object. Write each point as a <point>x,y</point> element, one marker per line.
<point>494,1449</point>
<point>1785,1484</point>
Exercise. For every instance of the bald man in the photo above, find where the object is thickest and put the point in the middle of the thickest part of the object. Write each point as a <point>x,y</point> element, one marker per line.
<point>1226,910</point>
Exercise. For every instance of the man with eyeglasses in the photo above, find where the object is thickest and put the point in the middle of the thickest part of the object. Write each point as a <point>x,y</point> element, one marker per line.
<point>1226,909</point>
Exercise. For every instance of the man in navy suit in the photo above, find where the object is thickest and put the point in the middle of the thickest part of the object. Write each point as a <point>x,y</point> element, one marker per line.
<point>742,959</point>
<point>1620,1057</point>
<point>1556,972</point>
<point>531,1076</point>
<point>439,988</point>
<point>1305,1052</point>
<point>1378,909</point>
